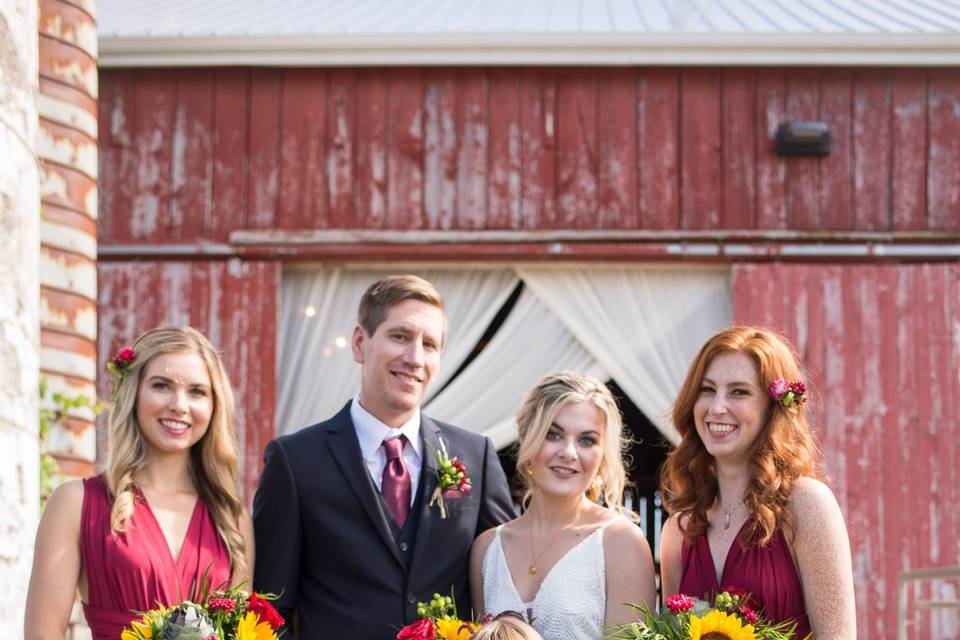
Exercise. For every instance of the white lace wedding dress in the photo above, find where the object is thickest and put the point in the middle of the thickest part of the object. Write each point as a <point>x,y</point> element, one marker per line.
<point>572,599</point>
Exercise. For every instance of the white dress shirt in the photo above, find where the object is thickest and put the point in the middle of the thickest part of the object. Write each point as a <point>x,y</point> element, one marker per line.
<point>371,433</point>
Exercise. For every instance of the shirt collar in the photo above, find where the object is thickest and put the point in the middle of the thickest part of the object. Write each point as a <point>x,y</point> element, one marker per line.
<point>371,432</point>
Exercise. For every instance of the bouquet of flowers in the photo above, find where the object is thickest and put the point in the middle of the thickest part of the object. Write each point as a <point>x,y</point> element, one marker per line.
<point>728,617</point>
<point>438,621</point>
<point>230,614</point>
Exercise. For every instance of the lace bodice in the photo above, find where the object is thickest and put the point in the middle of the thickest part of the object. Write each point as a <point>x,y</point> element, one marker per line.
<point>572,599</point>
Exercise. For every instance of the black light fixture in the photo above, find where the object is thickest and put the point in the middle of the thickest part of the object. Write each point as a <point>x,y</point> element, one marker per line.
<point>803,139</point>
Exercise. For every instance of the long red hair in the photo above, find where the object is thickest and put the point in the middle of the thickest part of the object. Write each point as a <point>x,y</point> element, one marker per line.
<point>784,451</point>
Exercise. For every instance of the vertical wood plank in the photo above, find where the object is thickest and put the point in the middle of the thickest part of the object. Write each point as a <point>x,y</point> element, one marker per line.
<point>739,149</point>
<point>231,129</point>
<point>871,150</point>
<point>943,163</point>
<point>370,179</point>
<point>771,168</point>
<point>700,176</point>
<point>341,140</point>
<point>150,206</point>
<point>302,194</point>
<point>617,150</point>
<point>909,143</point>
<point>504,209</point>
<point>191,180</point>
<point>472,148</point>
<point>836,170</point>
<point>440,142</point>
<point>658,148</point>
<point>264,135</point>
<point>576,149</point>
<point>802,188</point>
<point>405,149</point>
<point>117,130</point>
<point>539,148</point>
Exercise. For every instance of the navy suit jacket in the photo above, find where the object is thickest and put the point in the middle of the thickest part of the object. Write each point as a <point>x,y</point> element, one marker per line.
<point>324,543</point>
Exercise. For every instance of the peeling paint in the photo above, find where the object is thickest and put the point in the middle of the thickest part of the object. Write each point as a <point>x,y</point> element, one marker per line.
<point>69,239</point>
<point>75,274</point>
<point>67,114</point>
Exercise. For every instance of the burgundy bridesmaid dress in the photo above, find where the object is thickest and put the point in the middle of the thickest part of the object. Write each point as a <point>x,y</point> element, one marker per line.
<point>767,573</point>
<point>135,571</point>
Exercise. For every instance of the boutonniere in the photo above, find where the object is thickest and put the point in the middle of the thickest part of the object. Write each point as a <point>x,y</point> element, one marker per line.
<point>452,479</point>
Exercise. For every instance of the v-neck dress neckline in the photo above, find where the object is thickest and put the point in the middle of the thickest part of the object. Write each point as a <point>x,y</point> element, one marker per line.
<point>766,572</point>
<point>134,570</point>
<point>187,546</point>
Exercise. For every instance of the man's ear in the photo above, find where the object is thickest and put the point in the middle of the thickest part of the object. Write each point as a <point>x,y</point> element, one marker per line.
<point>357,342</point>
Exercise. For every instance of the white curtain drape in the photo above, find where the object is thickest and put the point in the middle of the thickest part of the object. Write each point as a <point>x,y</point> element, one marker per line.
<point>644,325</point>
<point>531,343</point>
<point>317,374</point>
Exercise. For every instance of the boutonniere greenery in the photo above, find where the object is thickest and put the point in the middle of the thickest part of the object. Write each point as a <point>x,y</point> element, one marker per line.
<point>452,479</point>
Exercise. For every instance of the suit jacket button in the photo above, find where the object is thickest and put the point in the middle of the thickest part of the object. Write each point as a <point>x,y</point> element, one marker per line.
<point>403,546</point>
<point>412,599</point>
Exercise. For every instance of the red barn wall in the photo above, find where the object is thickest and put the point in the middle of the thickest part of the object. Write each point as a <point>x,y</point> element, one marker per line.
<point>881,347</point>
<point>190,155</point>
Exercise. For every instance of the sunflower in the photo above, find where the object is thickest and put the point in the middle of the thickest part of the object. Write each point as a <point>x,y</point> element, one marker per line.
<point>454,629</point>
<point>718,625</point>
<point>250,628</point>
<point>138,630</point>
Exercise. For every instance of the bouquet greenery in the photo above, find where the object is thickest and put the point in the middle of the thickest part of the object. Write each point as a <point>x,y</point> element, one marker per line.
<point>230,614</point>
<point>438,621</point>
<point>728,617</point>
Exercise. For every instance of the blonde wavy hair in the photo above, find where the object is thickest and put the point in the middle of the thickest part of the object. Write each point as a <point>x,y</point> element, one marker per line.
<point>784,450</point>
<point>540,408</point>
<point>213,458</point>
<point>506,627</point>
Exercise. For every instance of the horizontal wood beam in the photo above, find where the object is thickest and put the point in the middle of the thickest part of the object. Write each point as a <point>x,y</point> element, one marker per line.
<point>557,245</point>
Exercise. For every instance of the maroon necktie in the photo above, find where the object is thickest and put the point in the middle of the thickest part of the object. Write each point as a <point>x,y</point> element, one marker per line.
<point>395,482</point>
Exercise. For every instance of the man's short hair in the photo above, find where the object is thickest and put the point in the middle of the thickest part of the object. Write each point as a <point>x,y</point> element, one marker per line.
<point>390,291</point>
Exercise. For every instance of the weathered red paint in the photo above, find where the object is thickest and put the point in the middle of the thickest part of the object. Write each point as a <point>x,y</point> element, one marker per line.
<point>523,149</point>
<point>233,302</point>
<point>878,344</point>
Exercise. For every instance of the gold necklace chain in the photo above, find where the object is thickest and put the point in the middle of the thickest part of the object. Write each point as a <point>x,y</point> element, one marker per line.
<point>532,569</point>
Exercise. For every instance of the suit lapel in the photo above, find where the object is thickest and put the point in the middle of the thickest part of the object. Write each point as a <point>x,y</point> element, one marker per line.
<point>345,447</point>
<point>430,432</point>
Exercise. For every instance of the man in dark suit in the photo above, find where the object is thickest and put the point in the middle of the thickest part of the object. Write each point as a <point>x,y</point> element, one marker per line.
<point>345,531</point>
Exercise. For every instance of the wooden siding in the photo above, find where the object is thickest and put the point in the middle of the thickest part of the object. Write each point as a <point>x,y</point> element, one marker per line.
<point>188,156</point>
<point>234,303</point>
<point>882,349</point>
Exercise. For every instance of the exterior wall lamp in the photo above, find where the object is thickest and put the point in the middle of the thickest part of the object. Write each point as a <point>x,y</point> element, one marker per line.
<point>803,139</point>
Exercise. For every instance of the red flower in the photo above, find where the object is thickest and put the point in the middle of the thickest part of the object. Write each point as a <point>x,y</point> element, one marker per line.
<point>265,611</point>
<point>679,603</point>
<point>749,614</point>
<point>422,630</point>
<point>126,355</point>
<point>220,603</point>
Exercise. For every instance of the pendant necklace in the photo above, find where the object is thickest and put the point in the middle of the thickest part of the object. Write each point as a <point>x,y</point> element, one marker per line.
<point>727,514</point>
<point>532,569</point>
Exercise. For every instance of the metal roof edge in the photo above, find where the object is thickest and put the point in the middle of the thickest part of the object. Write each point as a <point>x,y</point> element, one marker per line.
<point>569,49</point>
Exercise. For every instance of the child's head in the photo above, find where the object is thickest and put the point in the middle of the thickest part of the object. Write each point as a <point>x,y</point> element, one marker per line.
<point>506,626</point>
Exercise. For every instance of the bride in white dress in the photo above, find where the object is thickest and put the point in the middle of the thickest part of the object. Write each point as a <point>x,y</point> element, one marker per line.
<point>568,564</point>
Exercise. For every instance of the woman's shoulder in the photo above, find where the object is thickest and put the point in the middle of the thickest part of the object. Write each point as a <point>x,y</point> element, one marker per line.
<point>810,494</point>
<point>813,507</point>
<point>65,505</point>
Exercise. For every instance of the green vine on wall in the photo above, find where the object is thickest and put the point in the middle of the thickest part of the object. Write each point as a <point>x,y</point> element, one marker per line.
<point>52,411</point>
